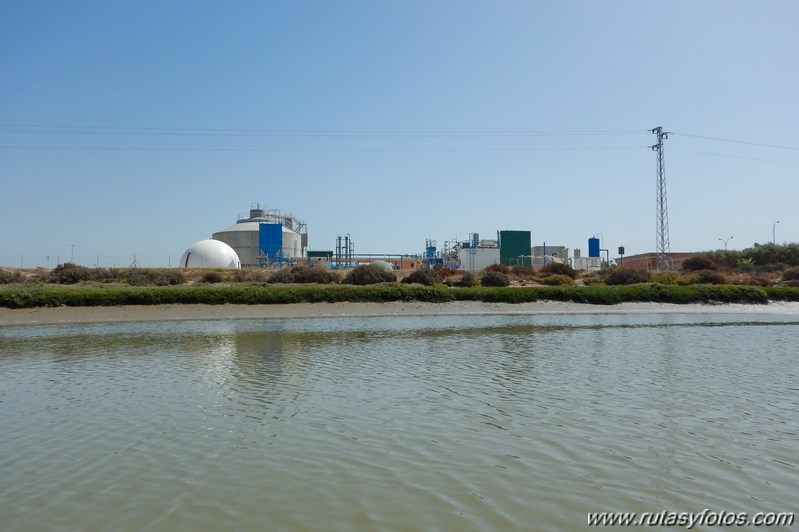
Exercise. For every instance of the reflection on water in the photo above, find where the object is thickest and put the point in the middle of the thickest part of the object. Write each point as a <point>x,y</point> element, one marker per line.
<point>469,422</point>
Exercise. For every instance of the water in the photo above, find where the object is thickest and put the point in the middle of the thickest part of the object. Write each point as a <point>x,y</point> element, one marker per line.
<point>404,423</point>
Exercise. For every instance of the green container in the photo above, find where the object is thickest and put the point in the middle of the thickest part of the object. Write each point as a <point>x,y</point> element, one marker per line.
<point>514,248</point>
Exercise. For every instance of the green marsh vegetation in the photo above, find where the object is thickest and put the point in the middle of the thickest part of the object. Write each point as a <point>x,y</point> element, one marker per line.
<point>22,296</point>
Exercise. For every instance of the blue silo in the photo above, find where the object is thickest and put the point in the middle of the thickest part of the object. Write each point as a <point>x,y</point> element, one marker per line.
<point>593,247</point>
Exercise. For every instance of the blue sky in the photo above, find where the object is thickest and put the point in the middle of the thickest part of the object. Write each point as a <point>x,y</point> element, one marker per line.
<point>141,127</point>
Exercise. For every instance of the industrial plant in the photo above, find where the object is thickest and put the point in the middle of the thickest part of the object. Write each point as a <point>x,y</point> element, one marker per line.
<point>267,238</point>
<point>511,248</point>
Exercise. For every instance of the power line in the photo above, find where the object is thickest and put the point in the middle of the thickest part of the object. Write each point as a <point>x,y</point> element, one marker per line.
<point>111,131</point>
<point>229,132</point>
<point>735,156</point>
<point>332,150</point>
<point>775,146</point>
<point>345,133</point>
<point>292,133</point>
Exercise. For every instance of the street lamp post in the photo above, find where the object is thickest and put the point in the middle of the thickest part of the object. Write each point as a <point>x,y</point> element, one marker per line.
<point>774,233</point>
<point>725,240</point>
<point>72,253</point>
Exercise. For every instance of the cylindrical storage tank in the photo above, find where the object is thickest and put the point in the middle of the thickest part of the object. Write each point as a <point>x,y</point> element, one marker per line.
<point>593,247</point>
<point>243,237</point>
<point>210,254</point>
<point>292,244</point>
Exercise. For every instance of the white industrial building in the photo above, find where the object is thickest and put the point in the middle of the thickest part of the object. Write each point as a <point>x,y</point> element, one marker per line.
<point>266,237</point>
<point>585,263</point>
<point>474,256</point>
<point>541,255</point>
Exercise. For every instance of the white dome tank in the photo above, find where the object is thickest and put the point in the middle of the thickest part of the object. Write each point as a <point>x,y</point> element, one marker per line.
<point>382,265</point>
<point>210,254</point>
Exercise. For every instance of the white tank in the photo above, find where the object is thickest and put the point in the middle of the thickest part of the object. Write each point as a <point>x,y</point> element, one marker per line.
<point>382,265</point>
<point>243,237</point>
<point>210,254</point>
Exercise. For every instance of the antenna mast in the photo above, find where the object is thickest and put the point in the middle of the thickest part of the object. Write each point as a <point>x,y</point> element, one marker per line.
<point>662,240</point>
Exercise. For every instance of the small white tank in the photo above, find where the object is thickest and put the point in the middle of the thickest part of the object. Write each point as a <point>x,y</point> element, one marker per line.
<point>382,265</point>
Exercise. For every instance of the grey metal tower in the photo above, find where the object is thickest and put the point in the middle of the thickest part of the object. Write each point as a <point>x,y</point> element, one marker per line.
<point>662,240</point>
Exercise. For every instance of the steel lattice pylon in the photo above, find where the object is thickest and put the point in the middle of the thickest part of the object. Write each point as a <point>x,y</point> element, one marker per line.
<point>662,240</point>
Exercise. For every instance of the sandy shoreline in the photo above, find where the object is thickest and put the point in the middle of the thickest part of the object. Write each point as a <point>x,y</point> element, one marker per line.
<point>44,316</point>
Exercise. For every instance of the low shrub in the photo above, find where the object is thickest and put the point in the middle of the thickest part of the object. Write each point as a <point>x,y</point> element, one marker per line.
<point>251,276</point>
<point>423,276</point>
<point>623,276</point>
<point>708,277</point>
<point>699,262</point>
<point>149,277</point>
<point>558,268</point>
<point>445,272</point>
<point>771,267</point>
<point>281,277</point>
<point>745,264</point>
<point>757,280</point>
<point>467,279</point>
<point>314,274</point>
<point>69,273</point>
<point>137,278</point>
<point>173,277</point>
<point>212,277</point>
<point>783,293</point>
<point>495,278</point>
<point>523,271</point>
<point>8,277</point>
<point>666,278</point>
<point>791,274</point>
<point>557,280</point>
<point>363,275</point>
<point>501,268</point>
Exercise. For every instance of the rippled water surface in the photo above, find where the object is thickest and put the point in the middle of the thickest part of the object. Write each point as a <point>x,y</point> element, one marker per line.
<point>438,423</point>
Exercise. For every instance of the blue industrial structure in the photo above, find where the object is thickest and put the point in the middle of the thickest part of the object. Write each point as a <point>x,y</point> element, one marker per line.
<point>270,244</point>
<point>431,255</point>
<point>593,247</point>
